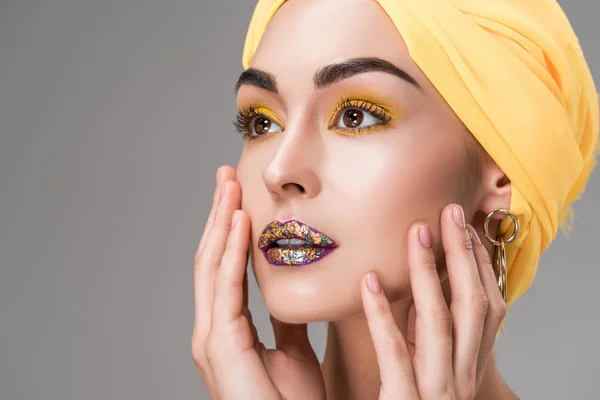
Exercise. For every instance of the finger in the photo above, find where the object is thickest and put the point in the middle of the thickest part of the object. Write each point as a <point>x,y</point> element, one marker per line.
<point>433,325</point>
<point>235,335</point>
<point>210,258</point>
<point>224,173</point>
<point>246,312</point>
<point>229,283</point>
<point>245,284</point>
<point>496,304</point>
<point>292,339</point>
<point>395,369</point>
<point>411,332</point>
<point>469,301</point>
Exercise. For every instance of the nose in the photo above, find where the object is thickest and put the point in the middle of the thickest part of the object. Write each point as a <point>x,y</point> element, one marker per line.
<point>293,171</point>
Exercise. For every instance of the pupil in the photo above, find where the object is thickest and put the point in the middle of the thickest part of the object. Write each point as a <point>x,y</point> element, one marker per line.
<point>353,118</point>
<point>262,125</point>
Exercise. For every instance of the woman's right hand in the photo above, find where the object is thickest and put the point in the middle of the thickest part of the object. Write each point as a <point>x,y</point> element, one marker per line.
<point>230,358</point>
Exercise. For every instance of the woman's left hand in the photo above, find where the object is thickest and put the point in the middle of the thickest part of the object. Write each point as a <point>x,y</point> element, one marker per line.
<point>451,345</point>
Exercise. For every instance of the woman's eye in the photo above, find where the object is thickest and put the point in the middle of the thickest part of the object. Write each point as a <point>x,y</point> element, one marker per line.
<point>261,126</point>
<point>353,118</point>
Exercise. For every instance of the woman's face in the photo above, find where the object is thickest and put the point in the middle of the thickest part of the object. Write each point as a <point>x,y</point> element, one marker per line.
<point>350,148</point>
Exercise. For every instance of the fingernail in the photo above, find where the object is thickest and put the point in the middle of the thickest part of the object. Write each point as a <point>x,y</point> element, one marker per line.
<point>373,283</point>
<point>234,218</point>
<point>459,216</point>
<point>425,235</point>
<point>474,236</point>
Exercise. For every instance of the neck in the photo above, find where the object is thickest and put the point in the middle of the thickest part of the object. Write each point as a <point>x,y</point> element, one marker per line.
<point>350,367</point>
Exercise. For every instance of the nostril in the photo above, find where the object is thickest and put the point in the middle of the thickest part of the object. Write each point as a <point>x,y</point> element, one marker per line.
<point>294,186</point>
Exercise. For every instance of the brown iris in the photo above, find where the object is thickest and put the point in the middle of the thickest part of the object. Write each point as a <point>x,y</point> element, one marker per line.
<point>353,118</point>
<point>262,125</point>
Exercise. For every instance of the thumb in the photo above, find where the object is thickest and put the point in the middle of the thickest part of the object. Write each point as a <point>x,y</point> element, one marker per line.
<point>292,339</point>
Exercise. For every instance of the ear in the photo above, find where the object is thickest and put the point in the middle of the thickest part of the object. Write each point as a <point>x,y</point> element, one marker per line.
<point>495,189</point>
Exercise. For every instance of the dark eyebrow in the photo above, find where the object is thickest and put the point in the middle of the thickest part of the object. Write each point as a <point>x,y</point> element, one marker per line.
<point>336,72</point>
<point>328,75</point>
<point>258,78</point>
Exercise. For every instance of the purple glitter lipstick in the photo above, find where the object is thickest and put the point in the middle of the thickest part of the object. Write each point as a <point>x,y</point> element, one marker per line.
<point>293,243</point>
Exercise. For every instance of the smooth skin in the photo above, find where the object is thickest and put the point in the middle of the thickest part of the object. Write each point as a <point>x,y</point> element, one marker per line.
<point>369,190</point>
<point>444,355</point>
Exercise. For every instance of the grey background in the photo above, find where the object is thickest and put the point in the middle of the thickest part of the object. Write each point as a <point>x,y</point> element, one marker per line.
<point>114,116</point>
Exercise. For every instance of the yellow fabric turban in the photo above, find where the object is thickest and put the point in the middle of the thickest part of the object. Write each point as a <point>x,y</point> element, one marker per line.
<point>514,73</point>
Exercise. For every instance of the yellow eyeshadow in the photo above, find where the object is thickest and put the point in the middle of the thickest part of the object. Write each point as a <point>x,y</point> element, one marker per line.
<point>361,131</point>
<point>258,139</point>
<point>377,108</point>
<point>269,114</point>
<point>367,103</point>
<point>360,104</point>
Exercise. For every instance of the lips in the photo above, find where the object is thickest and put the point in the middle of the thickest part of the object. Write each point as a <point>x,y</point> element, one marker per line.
<point>294,243</point>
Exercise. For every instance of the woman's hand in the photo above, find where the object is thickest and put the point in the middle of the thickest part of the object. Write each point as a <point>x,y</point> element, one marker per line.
<point>231,360</point>
<point>451,346</point>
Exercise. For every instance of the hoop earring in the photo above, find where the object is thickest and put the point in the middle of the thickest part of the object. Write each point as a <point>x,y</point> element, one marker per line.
<point>500,252</point>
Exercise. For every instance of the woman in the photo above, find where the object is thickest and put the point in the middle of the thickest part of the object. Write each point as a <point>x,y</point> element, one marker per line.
<point>383,140</point>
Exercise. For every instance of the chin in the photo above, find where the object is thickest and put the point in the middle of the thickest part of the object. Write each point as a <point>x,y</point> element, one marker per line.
<point>302,313</point>
<point>326,290</point>
<point>295,314</point>
<point>295,300</point>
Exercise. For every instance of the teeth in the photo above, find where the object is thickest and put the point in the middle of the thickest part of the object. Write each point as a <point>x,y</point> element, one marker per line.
<point>291,242</point>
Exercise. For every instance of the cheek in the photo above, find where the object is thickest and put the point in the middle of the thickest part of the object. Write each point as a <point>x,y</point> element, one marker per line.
<point>254,195</point>
<point>249,176</point>
<point>393,186</point>
<point>372,190</point>
<point>394,181</point>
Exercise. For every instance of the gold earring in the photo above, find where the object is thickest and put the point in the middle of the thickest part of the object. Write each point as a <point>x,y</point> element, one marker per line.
<point>500,252</point>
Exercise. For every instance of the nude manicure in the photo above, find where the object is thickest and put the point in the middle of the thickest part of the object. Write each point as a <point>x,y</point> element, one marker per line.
<point>425,235</point>
<point>373,283</point>
<point>474,236</point>
<point>459,216</point>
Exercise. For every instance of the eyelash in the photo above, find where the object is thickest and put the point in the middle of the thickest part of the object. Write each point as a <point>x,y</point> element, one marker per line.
<point>242,121</point>
<point>246,115</point>
<point>375,110</point>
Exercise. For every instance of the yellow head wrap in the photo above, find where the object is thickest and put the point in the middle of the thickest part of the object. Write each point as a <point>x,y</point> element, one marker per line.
<point>514,73</point>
